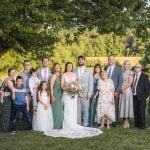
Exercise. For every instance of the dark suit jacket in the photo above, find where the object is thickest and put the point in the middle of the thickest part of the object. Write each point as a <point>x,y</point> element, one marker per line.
<point>142,89</point>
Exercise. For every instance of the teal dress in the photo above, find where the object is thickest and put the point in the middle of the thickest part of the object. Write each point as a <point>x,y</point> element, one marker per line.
<point>93,104</point>
<point>57,107</point>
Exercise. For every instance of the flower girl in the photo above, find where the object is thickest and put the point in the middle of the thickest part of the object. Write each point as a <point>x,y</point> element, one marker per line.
<point>44,121</point>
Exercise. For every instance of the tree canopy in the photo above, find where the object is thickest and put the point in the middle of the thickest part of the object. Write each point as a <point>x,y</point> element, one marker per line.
<point>32,25</point>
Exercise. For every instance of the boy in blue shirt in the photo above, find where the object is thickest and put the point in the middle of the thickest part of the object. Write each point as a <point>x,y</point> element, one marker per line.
<point>20,104</point>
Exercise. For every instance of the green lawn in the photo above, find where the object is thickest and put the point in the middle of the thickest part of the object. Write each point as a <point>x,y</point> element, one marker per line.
<point>113,139</point>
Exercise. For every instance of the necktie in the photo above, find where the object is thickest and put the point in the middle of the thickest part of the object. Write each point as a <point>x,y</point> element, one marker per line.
<point>109,73</point>
<point>134,84</point>
<point>45,75</point>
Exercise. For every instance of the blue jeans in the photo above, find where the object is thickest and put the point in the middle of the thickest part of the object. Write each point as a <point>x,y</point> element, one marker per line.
<point>16,113</point>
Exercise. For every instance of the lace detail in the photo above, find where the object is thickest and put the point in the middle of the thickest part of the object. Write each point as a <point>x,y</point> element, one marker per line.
<point>70,127</point>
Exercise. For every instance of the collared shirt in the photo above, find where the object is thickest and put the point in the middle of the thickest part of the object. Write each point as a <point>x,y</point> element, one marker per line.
<point>81,71</point>
<point>138,76</point>
<point>45,73</point>
<point>33,81</point>
<point>112,69</point>
<point>20,98</point>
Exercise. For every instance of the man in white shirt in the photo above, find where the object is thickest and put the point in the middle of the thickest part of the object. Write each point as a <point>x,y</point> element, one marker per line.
<point>44,73</point>
<point>85,77</point>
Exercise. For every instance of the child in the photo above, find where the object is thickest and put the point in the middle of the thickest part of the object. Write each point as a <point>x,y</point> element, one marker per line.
<point>20,104</point>
<point>33,85</point>
<point>44,121</point>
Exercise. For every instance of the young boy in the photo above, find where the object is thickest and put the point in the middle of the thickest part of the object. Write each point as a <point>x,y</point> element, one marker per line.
<point>20,104</point>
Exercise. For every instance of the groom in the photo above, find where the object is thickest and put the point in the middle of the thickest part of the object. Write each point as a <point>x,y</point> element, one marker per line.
<point>85,78</point>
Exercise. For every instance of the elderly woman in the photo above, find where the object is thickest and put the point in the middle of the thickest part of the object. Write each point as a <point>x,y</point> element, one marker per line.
<point>105,104</point>
<point>126,97</point>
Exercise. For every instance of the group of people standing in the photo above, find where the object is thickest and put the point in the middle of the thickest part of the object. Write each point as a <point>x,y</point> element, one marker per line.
<point>106,95</point>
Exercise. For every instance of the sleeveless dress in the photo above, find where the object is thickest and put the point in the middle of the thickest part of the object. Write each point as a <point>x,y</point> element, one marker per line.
<point>44,120</point>
<point>70,127</point>
<point>6,116</point>
<point>93,104</point>
<point>126,99</point>
<point>57,106</point>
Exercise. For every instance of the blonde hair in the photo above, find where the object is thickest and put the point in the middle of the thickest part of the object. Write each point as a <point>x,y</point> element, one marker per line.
<point>126,61</point>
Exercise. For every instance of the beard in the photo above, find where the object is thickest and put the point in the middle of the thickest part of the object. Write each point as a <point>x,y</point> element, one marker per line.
<point>81,64</point>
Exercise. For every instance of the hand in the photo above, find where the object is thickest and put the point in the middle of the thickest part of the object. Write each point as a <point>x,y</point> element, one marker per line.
<point>116,94</point>
<point>112,102</point>
<point>53,99</point>
<point>94,97</point>
<point>27,108</point>
<point>88,97</point>
<point>45,106</point>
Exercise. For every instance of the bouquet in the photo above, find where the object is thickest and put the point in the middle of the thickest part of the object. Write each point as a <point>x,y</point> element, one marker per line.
<point>73,88</point>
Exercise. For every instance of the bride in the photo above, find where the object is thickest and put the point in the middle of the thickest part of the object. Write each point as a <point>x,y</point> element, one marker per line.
<point>70,127</point>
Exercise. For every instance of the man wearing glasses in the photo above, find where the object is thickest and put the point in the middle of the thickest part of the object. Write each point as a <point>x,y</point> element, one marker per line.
<point>140,89</point>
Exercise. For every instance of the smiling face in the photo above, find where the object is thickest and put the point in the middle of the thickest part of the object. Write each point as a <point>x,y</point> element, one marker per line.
<point>138,68</point>
<point>27,66</point>
<point>104,75</point>
<point>12,73</point>
<point>44,86</point>
<point>57,68</point>
<point>111,60</point>
<point>127,65</point>
<point>19,82</point>
<point>69,68</point>
<point>45,62</point>
<point>81,62</point>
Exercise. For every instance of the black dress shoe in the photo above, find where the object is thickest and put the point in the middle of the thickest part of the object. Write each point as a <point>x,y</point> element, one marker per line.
<point>114,125</point>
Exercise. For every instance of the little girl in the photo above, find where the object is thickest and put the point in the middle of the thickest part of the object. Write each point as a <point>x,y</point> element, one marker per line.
<point>33,85</point>
<point>44,121</point>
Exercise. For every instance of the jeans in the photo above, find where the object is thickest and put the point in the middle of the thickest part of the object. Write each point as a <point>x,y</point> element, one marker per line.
<point>17,109</point>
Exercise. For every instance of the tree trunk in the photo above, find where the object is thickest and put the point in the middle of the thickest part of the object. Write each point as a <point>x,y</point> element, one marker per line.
<point>3,51</point>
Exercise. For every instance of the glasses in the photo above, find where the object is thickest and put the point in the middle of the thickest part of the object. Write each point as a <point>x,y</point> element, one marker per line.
<point>138,67</point>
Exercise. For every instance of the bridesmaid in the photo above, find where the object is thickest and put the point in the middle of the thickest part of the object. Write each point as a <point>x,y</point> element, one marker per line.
<point>126,97</point>
<point>7,87</point>
<point>93,102</point>
<point>56,96</point>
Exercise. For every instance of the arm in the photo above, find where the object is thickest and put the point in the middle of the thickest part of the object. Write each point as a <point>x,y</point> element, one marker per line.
<point>62,82</point>
<point>90,85</point>
<point>52,81</point>
<point>146,87</point>
<point>130,80</point>
<point>40,98</point>
<point>31,86</point>
<point>120,81</point>
<point>27,102</point>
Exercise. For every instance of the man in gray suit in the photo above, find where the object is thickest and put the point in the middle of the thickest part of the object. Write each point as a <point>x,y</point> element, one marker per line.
<point>115,73</point>
<point>85,78</point>
<point>44,73</point>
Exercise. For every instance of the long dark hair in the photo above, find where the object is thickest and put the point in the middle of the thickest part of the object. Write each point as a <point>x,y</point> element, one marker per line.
<point>40,87</point>
<point>54,65</point>
<point>67,65</point>
<point>97,66</point>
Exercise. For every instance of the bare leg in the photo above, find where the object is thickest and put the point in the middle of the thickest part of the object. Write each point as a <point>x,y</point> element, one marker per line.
<point>108,122</point>
<point>102,122</point>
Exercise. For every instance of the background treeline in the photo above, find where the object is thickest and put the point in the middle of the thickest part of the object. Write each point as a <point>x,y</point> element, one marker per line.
<point>72,43</point>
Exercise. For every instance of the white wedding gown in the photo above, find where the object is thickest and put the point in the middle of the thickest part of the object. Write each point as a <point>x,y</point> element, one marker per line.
<point>70,127</point>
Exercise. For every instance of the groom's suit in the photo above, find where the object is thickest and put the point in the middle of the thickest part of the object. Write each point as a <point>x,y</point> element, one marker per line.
<point>86,81</point>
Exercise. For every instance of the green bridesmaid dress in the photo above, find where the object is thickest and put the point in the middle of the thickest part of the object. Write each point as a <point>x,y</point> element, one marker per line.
<point>57,107</point>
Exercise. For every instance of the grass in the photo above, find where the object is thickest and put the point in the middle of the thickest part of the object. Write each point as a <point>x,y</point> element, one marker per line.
<point>113,139</point>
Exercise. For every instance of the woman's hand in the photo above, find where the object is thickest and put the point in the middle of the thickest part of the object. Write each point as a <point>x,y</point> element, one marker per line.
<point>53,99</point>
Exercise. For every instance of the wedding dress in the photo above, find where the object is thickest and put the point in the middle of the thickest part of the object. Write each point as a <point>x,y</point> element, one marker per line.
<point>70,127</point>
